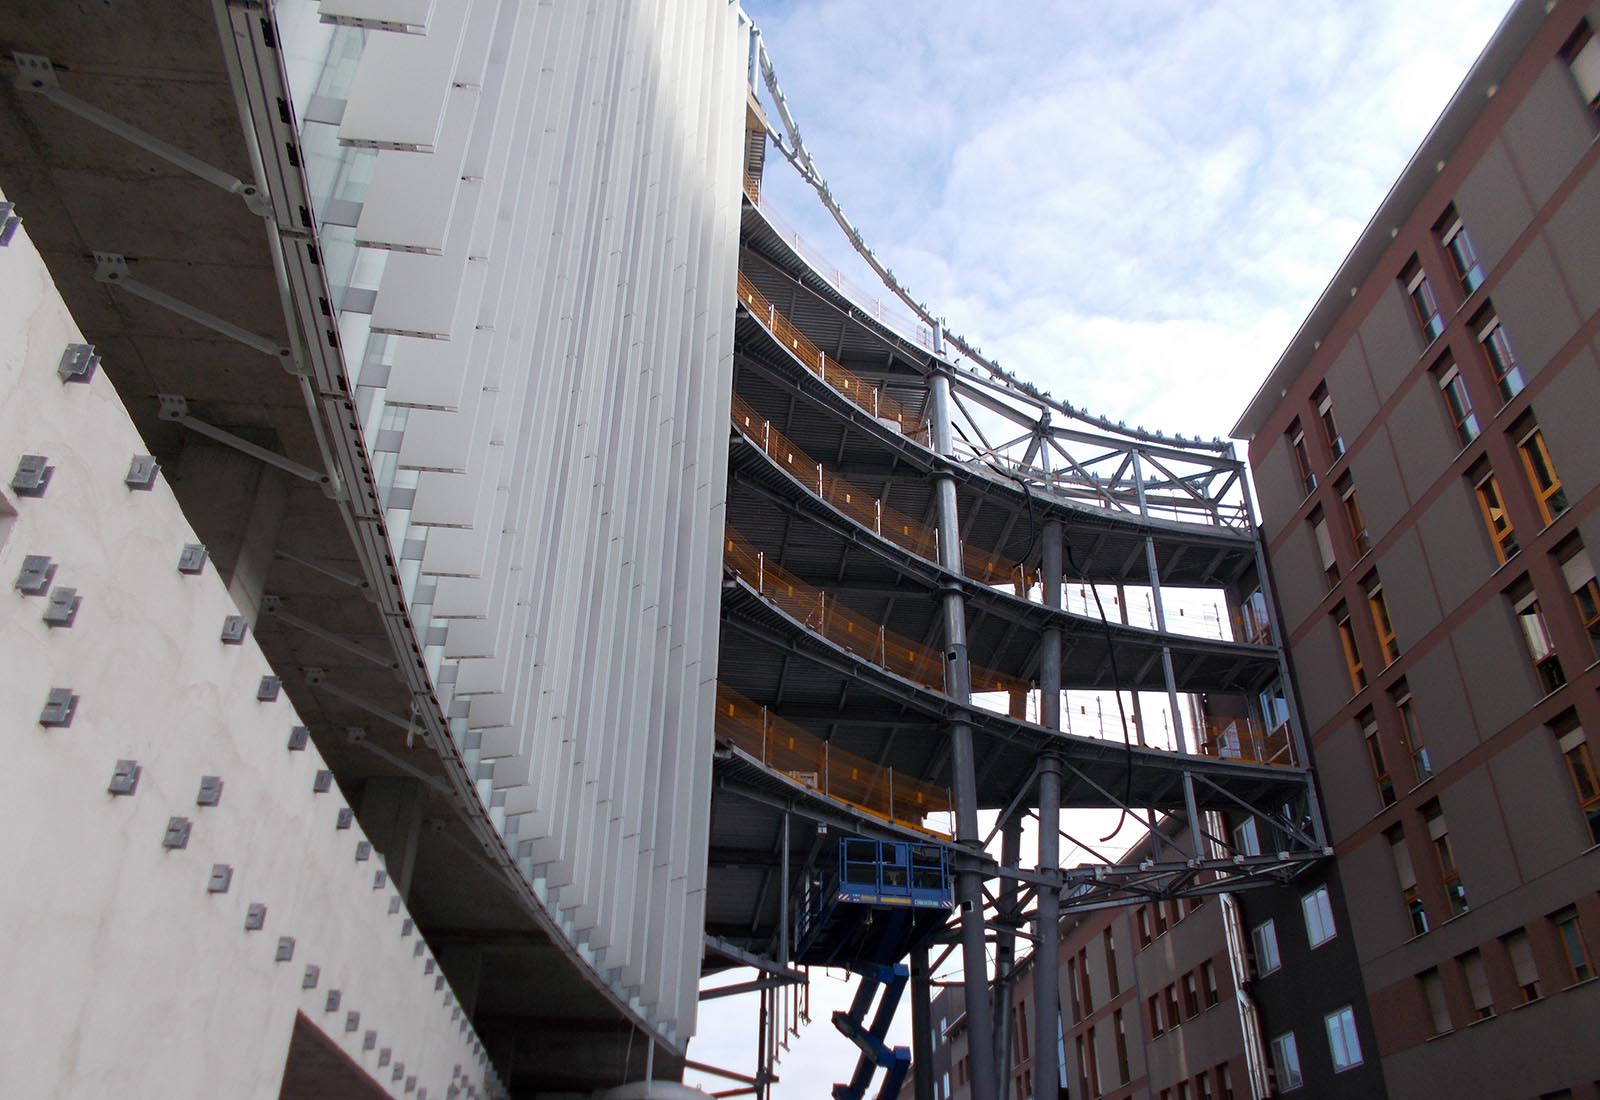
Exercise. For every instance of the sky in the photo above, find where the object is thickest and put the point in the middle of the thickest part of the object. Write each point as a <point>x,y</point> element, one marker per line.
<point>1131,205</point>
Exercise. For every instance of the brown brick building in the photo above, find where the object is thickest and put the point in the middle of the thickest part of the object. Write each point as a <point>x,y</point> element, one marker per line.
<point>1428,467</point>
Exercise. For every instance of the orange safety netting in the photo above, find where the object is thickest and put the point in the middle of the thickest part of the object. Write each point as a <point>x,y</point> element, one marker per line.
<point>847,628</point>
<point>786,748</point>
<point>868,397</point>
<point>984,566</point>
<point>1243,739</point>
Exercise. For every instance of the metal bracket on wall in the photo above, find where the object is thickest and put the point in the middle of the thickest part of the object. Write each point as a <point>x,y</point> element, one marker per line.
<point>112,268</point>
<point>175,409</point>
<point>36,74</point>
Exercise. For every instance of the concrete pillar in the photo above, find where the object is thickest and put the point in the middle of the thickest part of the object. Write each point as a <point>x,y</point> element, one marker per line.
<point>391,813</point>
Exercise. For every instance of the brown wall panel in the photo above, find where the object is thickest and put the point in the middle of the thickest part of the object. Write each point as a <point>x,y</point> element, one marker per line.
<point>1548,132</point>
<point>1573,236</point>
<point>1440,701</point>
<point>1278,488</point>
<point>1456,544</point>
<point>1567,409</point>
<point>1408,589</point>
<point>1542,816</point>
<point>1320,673</point>
<point>1377,480</point>
<point>1391,339</point>
<point>1492,205</point>
<point>1298,577</point>
<point>1350,386</point>
<point>1498,671</point>
<point>1534,307</point>
<point>1424,441</point>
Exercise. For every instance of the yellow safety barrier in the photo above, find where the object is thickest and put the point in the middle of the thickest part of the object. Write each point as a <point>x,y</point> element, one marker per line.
<point>984,566</point>
<point>849,629</point>
<point>786,748</point>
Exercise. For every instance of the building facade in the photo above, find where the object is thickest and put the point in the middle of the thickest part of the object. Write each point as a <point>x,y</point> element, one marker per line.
<point>1428,472</point>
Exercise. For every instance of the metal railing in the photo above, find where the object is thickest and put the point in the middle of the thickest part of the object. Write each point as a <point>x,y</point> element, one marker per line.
<point>1244,739</point>
<point>984,566</point>
<point>843,776</point>
<point>866,396</point>
<point>847,628</point>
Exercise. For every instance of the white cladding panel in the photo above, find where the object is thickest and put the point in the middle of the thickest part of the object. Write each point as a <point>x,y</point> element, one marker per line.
<point>397,99</point>
<point>109,938</point>
<point>410,16</point>
<point>568,449</point>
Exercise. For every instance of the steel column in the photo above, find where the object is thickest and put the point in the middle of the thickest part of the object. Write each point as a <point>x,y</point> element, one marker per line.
<point>921,1026</point>
<point>1047,906</point>
<point>963,763</point>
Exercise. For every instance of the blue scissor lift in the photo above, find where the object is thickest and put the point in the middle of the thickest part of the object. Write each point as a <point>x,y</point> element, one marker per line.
<point>884,899</point>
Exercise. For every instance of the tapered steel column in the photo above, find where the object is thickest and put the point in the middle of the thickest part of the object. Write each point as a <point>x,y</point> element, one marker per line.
<point>1047,909</point>
<point>921,1026</point>
<point>1005,949</point>
<point>963,764</point>
<point>1167,673</point>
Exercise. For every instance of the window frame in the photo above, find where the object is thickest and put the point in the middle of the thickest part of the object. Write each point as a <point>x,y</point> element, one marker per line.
<point>1581,55</point>
<point>1542,476</point>
<point>1367,721</point>
<point>1321,901</point>
<point>1492,508</point>
<point>1496,344</point>
<point>1452,232</point>
<point>1322,401</point>
<point>1573,744</point>
<point>1347,1035</point>
<point>1359,534</point>
<point>1537,640</point>
<point>1410,732</point>
<point>1569,933</point>
<point>1382,621</point>
<point>1302,458</point>
<point>1457,401</point>
<point>1352,650</point>
<point>1455,891</point>
<point>1424,302</point>
<point>1286,1062</point>
<point>1261,935</point>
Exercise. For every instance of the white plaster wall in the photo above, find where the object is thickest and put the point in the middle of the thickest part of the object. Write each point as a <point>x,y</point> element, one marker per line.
<point>120,975</point>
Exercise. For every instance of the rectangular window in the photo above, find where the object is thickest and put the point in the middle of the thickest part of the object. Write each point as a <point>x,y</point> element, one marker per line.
<point>1407,875</point>
<point>1423,304</point>
<point>1318,909</point>
<point>1497,348</point>
<point>1169,1006</point>
<point>1246,841</point>
<point>1264,938</point>
<point>1536,635</point>
<point>1208,983</point>
<point>1202,1087</point>
<point>1581,52</point>
<point>1347,642</point>
<point>1502,536</point>
<point>1411,731</point>
<point>1153,1004</point>
<point>1342,1039</point>
<point>1319,531</point>
<point>1286,1061</point>
<point>1072,989</point>
<point>1224,1077</point>
<point>1093,1070</point>
<point>1110,944</point>
<point>1352,514</point>
<point>1542,475</point>
<point>1570,931</point>
<point>1457,245</point>
<point>1477,976</point>
<point>1433,996</point>
<point>1061,1051</point>
<point>1191,996</point>
<point>1330,427</point>
<point>1183,1091</point>
<point>1254,625</point>
<point>1456,401</point>
<point>1123,1074</point>
<point>1141,920</point>
<point>1449,875</point>
<point>1579,574</point>
<point>1574,747</point>
<point>1380,769</point>
<point>1083,979</point>
<point>1302,459</point>
<point>1520,952</point>
<point>1379,606</point>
